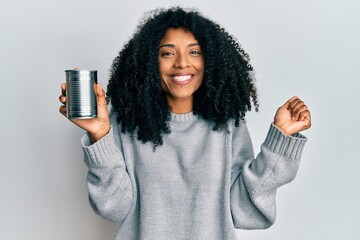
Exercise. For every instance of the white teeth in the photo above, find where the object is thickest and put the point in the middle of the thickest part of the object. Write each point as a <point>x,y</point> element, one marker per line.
<point>181,78</point>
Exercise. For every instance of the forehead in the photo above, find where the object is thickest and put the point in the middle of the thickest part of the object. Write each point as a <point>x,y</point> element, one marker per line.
<point>173,35</point>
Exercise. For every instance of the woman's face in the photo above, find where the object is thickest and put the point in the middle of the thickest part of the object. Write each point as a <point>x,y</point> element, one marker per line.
<point>181,67</point>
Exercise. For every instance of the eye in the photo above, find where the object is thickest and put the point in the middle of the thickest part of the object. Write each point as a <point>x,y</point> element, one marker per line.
<point>195,52</point>
<point>166,54</point>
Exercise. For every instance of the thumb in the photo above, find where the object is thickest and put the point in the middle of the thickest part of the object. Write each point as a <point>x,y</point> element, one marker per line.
<point>101,103</point>
<point>100,95</point>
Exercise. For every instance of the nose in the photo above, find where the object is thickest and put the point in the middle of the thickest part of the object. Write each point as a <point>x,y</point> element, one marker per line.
<point>182,61</point>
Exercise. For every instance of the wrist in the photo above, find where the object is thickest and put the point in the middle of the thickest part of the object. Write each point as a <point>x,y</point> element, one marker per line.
<point>96,136</point>
<point>283,129</point>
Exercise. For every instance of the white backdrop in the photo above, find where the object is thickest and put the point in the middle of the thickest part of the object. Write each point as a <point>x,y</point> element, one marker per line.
<point>308,48</point>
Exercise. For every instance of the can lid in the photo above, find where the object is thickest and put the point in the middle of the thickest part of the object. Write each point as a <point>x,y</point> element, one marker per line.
<point>80,71</point>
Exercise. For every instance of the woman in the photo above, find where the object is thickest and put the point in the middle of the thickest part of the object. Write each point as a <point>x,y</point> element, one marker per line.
<point>174,159</point>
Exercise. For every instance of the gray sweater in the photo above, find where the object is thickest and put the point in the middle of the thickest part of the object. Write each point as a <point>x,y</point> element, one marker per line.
<point>200,184</point>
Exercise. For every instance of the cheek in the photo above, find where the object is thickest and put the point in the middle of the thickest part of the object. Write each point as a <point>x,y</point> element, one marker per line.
<point>162,79</point>
<point>164,67</point>
<point>200,66</point>
<point>200,82</point>
<point>162,71</point>
<point>163,86</point>
<point>201,78</point>
<point>200,69</point>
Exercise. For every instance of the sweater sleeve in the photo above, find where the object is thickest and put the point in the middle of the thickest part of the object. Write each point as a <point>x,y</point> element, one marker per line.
<point>108,182</point>
<point>254,181</point>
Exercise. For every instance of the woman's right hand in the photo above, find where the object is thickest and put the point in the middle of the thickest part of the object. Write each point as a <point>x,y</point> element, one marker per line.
<point>97,127</point>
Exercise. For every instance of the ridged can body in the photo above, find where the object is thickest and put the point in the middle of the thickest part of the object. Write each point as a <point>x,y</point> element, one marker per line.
<point>80,94</point>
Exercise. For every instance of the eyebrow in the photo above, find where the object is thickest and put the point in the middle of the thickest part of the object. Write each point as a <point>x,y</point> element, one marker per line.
<point>172,45</point>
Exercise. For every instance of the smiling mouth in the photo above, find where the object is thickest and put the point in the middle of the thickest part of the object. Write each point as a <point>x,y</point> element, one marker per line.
<point>181,80</point>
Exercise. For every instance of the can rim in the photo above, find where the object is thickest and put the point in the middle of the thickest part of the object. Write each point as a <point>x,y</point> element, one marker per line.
<point>80,70</point>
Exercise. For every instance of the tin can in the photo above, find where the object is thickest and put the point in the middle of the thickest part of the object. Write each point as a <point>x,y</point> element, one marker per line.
<point>80,94</point>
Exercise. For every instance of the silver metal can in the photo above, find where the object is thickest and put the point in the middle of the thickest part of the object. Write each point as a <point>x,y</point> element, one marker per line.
<point>80,94</point>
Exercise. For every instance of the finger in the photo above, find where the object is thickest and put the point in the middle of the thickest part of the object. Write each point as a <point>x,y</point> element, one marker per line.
<point>62,110</point>
<point>293,103</point>
<point>62,99</point>
<point>63,89</point>
<point>303,115</point>
<point>306,117</point>
<point>299,108</point>
<point>292,99</point>
<point>287,103</point>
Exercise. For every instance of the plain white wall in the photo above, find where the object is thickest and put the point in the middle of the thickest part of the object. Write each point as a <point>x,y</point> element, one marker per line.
<point>308,48</point>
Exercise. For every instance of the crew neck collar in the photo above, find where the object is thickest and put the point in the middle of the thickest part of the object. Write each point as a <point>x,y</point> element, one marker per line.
<point>182,117</point>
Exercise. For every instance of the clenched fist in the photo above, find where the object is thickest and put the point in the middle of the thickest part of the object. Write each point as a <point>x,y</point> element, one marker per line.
<point>293,117</point>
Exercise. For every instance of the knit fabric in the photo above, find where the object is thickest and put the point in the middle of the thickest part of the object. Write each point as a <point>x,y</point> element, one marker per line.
<point>200,184</point>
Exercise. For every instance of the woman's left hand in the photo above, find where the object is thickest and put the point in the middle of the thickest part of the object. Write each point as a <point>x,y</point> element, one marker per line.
<point>292,117</point>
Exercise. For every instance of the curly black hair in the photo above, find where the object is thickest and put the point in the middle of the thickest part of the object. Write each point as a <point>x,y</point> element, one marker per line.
<point>134,88</point>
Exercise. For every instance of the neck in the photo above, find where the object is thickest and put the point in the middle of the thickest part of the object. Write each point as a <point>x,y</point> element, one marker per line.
<point>180,106</point>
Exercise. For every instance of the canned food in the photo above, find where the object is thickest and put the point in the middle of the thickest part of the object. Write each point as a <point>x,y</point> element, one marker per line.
<point>80,94</point>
